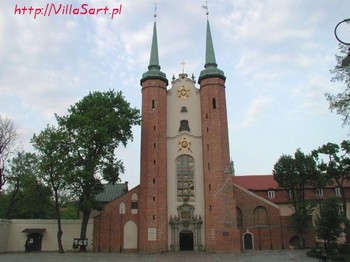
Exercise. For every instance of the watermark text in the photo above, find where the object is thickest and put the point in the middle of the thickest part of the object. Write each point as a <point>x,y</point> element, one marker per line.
<point>54,9</point>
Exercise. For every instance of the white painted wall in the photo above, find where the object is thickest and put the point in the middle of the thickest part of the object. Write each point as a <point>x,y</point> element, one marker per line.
<point>4,233</point>
<point>174,116</point>
<point>16,239</point>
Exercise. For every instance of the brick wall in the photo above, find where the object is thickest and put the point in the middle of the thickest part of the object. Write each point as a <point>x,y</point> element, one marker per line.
<point>153,187</point>
<point>109,225</point>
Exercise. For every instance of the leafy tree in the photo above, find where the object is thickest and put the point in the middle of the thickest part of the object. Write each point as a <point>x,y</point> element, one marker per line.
<point>328,222</point>
<point>9,138</point>
<point>53,148</point>
<point>95,127</point>
<point>334,163</point>
<point>294,173</point>
<point>27,197</point>
<point>341,101</point>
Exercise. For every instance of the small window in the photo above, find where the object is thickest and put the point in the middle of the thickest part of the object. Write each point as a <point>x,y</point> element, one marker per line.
<point>134,204</point>
<point>271,194</point>
<point>183,109</point>
<point>319,192</point>
<point>184,126</point>
<point>153,104</point>
<point>337,192</point>
<point>341,210</point>
<point>214,103</point>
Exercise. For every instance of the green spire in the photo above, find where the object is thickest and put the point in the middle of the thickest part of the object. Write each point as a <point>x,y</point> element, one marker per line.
<point>154,67</point>
<point>154,59</point>
<point>211,67</point>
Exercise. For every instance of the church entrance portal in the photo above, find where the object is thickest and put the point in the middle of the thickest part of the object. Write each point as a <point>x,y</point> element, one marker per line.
<point>186,229</point>
<point>186,240</point>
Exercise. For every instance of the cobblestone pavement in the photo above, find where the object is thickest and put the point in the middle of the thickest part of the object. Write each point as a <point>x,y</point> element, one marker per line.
<point>256,256</point>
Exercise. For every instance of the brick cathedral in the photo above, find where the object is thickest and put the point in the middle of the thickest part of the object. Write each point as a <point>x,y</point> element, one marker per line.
<point>188,197</point>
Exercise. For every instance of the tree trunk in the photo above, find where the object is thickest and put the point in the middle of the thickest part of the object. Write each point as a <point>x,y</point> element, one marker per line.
<point>301,240</point>
<point>84,224</point>
<point>59,226</point>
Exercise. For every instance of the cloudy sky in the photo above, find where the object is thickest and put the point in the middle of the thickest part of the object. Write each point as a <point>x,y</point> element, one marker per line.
<point>276,56</point>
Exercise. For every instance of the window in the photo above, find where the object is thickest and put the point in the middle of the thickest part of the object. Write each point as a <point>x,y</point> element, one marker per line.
<point>341,210</point>
<point>271,194</point>
<point>337,192</point>
<point>153,104</point>
<point>183,109</point>
<point>185,178</point>
<point>134,204</point>
<point>319,192</point>
<point>214,103</point>
<point>184,126</point>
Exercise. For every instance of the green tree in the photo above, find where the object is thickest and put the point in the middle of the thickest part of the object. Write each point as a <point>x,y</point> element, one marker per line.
<point>334,163</point>
<point>96,126</point>
<point>28,197</point>
<point>294,173</point>
<point>9,138</point>
<point>341,101</point>
<point>328,222</point>
<point>53,153</point>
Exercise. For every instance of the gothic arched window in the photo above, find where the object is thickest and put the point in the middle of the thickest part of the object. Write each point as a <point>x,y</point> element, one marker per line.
<point>185,178</point>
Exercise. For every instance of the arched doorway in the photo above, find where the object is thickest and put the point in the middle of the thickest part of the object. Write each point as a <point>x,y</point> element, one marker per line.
<point>186,240</point>
<point>248,241</point>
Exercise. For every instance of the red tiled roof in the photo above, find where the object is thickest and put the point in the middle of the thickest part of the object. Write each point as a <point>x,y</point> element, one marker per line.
<point>256,182</point>
<point>266,182</point>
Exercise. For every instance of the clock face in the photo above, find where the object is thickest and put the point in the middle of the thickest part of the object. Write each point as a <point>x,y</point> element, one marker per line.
<point>183,92</point>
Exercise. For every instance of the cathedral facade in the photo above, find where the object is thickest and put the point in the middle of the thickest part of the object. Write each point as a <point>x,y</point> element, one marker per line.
<point>187,198</point>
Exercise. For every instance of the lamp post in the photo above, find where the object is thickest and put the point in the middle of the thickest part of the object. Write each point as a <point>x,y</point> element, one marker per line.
<point>346,60</point>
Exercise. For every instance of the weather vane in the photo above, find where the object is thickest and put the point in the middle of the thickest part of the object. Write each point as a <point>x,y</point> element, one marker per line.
<point>155,10</point>
<point>206,7</point>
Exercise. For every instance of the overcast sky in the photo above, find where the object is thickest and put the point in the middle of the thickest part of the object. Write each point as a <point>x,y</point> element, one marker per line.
<point>276,55</point>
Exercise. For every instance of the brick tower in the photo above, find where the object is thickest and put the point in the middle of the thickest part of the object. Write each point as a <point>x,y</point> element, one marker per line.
<point>220,210</point>
<point>153,222</point>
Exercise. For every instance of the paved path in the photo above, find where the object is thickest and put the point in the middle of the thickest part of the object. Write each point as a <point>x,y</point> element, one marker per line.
<point>256,256</point>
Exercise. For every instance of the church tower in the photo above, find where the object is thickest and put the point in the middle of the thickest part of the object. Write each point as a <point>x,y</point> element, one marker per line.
<point>186,196</point>
<point>153,223</point>
<point>220,209</point>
